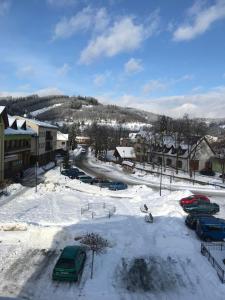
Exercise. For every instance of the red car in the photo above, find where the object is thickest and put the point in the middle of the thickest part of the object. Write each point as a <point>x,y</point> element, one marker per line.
<point>191,199</point>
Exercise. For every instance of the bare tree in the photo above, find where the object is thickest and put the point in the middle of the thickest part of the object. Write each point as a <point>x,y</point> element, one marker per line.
<point>96,244</point>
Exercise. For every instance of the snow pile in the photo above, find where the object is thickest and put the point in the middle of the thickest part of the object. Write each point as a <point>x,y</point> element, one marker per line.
<point>13,227</point>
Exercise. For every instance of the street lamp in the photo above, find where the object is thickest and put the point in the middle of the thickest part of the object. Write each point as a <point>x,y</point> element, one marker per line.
<point>160,184</point>
<point>36,162</point>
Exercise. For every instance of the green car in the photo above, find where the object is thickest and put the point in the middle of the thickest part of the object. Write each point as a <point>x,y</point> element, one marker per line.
<point>70,264</point>
<point>202,207</point>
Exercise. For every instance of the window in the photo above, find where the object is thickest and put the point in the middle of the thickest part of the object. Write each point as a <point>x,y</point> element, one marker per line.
<point>159,160</point>
<point>63,143</point>
<point>168,162</point>
<point>179,164</point>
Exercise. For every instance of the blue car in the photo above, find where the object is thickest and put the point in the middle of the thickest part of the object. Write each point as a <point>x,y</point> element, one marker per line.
<point>114,186</point>
<point>211,229</point>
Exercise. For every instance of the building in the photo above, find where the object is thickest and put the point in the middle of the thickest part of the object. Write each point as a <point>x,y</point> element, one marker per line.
<point>128,166</point>
<point>125,153</point>
<point>3,124</point>
<point>62,143</point>
<point>43,143</point>
<point>17,148</point>
<point>194,156</point>
<point>83,140</point>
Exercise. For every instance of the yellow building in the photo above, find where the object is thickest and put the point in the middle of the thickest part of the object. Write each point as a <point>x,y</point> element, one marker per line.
<point>3,124</point>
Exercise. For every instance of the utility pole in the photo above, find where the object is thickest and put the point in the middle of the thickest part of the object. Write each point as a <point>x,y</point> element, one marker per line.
<point>36,163</point>
<point>160,184</point>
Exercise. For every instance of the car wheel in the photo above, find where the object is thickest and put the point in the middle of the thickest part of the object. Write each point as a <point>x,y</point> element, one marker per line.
<point>208,239</point>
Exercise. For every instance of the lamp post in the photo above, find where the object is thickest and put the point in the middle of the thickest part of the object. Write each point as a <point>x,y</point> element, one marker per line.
<point>160,184</point>
<point>36,162</point>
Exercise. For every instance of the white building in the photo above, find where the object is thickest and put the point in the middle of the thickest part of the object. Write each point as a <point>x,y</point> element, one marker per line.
<point>195,156</point>
<point>62,141</point>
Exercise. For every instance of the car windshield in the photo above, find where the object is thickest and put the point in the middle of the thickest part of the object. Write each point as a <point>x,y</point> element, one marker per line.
<point>65,263</point>
<point>190,197</point>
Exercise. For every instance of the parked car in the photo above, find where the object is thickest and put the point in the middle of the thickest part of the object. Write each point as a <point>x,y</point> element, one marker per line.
<point>103,183</point>
<point>192,199</point>
<point>207,172</point>
<point>202,207</point>
<point>117,186</point>
<point>191,220</point>
<point>70,264</point>
<point>86,178</point>
<point>64,172</point>
<point>222,176</point>
<point>211,229</point>
<point>79,174</point>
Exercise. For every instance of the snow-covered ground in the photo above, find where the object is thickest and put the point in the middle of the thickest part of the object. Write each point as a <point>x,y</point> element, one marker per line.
<point>52,218</point>
<point>44,109</point>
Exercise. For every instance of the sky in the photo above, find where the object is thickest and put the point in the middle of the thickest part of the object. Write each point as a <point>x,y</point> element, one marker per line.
<point>166,57</point>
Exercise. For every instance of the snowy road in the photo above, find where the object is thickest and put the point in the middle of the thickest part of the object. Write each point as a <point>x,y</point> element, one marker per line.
<point>113,172</point>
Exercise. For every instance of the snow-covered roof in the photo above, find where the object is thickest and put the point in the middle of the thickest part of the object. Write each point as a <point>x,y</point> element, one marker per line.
<point>132,135</point>
<point>127,163</point>
<point>20,123</point>
<point>42,124</point>
<point>1,109</point>
<point>11,131</point>
<point>12,121</point>
<point>126,152</point>
<point>62,136</point>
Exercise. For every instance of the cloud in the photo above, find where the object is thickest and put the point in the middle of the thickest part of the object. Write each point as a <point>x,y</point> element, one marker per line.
<point>209,104</point>
<point>86,19</point>
<point>161,85</point>
<point>26,71</point>
<point>133,66</point>
<point>59,3</point>
<point>154,85</point>
<point>123,35</point>
<point>200,19</point>
<point>100,79</point>
<point>4,7</point>
<point>48,91</point>
<point>62,71</point>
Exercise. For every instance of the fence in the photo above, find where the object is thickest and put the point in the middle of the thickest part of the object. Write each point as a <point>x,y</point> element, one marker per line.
<point>92,208</point>
<point>205,250</point>
<point>175,176</point>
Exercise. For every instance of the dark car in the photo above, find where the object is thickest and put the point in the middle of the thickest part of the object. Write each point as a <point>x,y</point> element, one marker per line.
<point>211,229</point>
<point>222,176</point>
<point>70,264</point>
<point>202,207</point>
<point>86,178</point>
<point>207,172</point>
<point>114,186</point>
<point>74,174</point>
<point>103,183</point>
<point>191,220</point>
<point>193,198</point>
